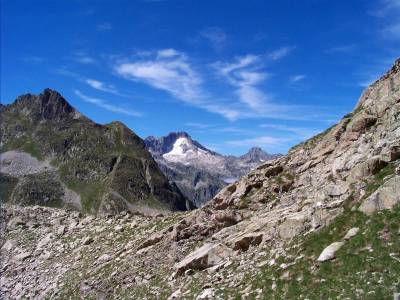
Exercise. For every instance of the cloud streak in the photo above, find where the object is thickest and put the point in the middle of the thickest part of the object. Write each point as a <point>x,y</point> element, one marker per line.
<point>170,71</point>
<point>296,78</point>
<point>244,75</point>
<point>106,105</point>
<point>101,86</point>
<point>281,52</point>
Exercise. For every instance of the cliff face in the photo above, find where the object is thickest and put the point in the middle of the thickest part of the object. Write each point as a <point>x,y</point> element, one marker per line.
<point>320,222</point>
<point>53,155</point>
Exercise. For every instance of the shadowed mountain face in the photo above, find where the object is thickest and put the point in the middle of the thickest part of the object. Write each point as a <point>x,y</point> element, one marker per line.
<point>52,155</point>
<point>199,172</point>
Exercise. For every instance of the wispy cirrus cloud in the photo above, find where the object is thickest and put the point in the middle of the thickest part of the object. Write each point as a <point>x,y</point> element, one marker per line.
<point>174,72</point>
<point>389,12</point>
<point>107,106</point>
<point>281,52</point>
<point>101,86</point>
<point>244,74</point>
<point>216,36</point>
<point>171,71</point>
<point>297,78</point>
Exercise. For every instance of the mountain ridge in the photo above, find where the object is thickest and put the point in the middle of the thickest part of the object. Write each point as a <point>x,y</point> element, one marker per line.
<point>198,171</point>
<point>105,167</point>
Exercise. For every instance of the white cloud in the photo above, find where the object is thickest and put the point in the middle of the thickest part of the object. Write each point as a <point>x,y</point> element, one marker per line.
<point>173,72</point>
<point>170,71</point>
<point>296,78</point>
<point>281,53</point>
<point>101,86</point>
<point>215,35</point>
<point>106,105</point>
<point>244,75</point>
<point>165,53</point>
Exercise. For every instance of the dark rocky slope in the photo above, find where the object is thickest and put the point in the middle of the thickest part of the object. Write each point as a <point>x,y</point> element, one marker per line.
<point>52,155</point>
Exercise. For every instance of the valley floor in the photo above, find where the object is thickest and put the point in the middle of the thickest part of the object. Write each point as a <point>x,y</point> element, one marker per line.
<point>52,253</point>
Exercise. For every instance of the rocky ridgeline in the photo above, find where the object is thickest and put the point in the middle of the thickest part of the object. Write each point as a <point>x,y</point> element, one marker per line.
<point>320,222</point>
<point>52,155</point>
<point>199,172</point>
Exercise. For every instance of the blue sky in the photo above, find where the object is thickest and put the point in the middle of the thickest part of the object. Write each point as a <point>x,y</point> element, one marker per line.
<point>233,74</point>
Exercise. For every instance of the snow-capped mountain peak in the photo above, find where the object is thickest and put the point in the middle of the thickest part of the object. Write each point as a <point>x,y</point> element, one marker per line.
<point>184,146</point>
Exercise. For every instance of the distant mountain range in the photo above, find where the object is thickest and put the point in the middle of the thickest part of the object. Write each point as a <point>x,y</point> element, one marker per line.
<point>200,172</point>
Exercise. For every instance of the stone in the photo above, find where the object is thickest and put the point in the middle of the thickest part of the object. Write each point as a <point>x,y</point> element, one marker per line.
<point>119,228</point>
<point>293,225</point>
<point>362,122</point>
<point>22,256</point>
<point>15,222</point>
<point>87,240</point>
<point>206,294</point>
<point>385,197</point>
<point>152,240</point>
<point>204,257</point>
<point>351,233</point>
<point>329,252</point>
<point>227,218</point>
<point>8,246</point>
<point>245,241</point>
<point>104,258</point>
<point>43,242</point>
<point>61,230</point>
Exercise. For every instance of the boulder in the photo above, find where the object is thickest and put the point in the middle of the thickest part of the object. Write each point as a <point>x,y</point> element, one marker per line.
<point>293,225</point>
<point>385,197</point>
<point>22,256</point>
<point>329,252</point>
<point>361,122</point>
<point>87,240</point>
<point>351,233</point>
<point>152,240</point>
<point>208,255</point>
<point>8,246</point>
<point>245,241</point>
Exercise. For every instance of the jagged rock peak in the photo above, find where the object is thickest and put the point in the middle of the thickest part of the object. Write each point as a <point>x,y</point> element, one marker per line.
<point>47,105</point>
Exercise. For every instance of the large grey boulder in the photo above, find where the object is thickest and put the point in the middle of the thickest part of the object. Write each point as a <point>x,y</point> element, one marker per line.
<point>329,252</point>
<point>206,256</point>
<point>385,197</point>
